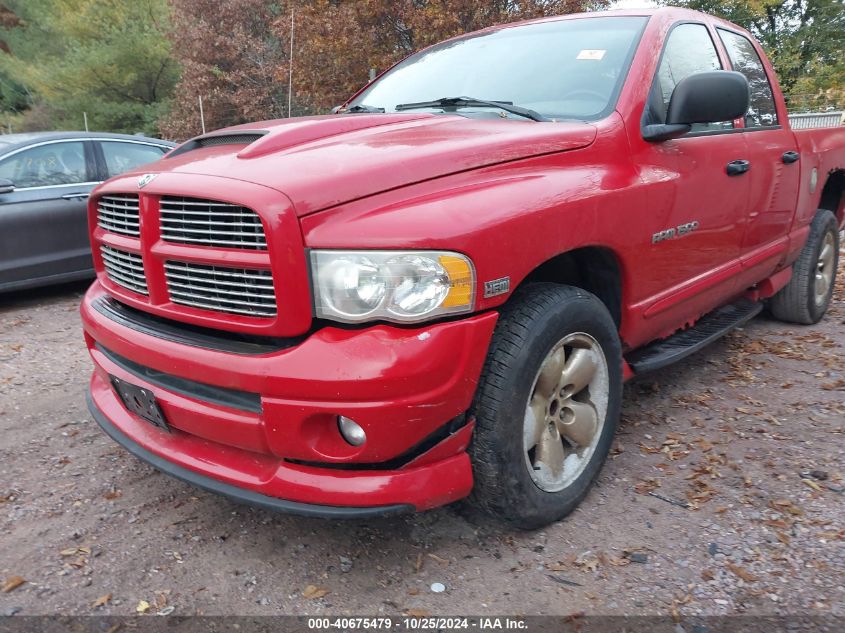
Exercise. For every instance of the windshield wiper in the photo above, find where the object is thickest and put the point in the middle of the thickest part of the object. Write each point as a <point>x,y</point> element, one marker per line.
<point>463,102</point>
<point>360,108</point>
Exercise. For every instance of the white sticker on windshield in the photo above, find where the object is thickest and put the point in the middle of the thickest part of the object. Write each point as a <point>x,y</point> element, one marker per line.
<point>592,53</point>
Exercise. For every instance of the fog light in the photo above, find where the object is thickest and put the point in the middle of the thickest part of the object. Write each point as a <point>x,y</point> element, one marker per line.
<point>351,431</point>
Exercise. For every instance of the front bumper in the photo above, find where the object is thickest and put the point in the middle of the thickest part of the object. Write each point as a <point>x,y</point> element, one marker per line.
<point>403,385</point>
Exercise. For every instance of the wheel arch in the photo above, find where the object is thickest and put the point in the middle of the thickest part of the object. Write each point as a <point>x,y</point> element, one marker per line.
<point>833,195</point>
<point>596,269</point>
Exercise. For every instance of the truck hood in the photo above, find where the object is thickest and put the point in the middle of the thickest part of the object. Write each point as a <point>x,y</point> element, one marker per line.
<point>323,161</point>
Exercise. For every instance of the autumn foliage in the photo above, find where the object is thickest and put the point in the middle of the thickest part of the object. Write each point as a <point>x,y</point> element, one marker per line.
<point>236,53</point>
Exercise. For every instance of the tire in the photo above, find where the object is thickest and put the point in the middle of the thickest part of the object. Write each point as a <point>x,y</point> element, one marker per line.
<point>806,297</point>
<point>512,481</point>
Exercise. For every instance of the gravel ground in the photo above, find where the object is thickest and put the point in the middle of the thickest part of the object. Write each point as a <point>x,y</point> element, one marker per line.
<point>724,494</point>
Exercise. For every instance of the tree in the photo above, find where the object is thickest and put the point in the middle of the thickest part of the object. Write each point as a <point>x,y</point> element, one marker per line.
<point>340,41</point>
<point>13,97</point>
<point>232,58</point>
<point>803,38</point>
<point>235,52</point>
<point>109,58</point>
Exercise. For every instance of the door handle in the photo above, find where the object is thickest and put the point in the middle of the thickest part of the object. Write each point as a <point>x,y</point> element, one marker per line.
<point>738,167</point>
<point>75,196</point>
<point>790,157</point>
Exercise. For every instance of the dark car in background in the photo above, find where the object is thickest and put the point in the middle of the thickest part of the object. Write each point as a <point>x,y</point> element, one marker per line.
<point>45,179</point>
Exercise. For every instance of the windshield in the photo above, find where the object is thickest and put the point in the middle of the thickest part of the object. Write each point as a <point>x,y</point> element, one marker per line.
<point>565,69</point>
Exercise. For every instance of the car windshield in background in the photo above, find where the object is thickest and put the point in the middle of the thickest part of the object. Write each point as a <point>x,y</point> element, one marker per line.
<point>564,69</point>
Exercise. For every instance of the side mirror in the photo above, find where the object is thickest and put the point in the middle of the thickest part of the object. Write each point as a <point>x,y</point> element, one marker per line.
<point>6,186</point>
<point>709,97</point>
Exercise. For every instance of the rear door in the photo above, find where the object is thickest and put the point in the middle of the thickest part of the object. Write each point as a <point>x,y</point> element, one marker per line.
<point>691,235</point>
<point>774,172</point>
<point>119,156</point>
<point>43,222</point>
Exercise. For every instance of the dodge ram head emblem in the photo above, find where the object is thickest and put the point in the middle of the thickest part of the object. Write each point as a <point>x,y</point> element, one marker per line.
<point>144,180</point>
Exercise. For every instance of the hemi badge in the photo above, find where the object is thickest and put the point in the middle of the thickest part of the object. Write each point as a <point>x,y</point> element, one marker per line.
<point>497,287</point>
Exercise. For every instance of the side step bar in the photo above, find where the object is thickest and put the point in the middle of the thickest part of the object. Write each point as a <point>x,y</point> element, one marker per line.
<point>707,329</point>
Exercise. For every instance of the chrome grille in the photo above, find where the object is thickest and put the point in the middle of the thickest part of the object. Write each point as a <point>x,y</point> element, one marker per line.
<point>234,290</point>
<point>118,214</point>
<point>209,223</point>
<point>124,269</point>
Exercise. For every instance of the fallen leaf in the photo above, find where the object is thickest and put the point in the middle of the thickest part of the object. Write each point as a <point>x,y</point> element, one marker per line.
<point>442,561</point>
<point>111,495</point>
<point>312,592</point>
<point>644,487</point>
<point>704,445</point>
<point>829,536</point>
<point>12,583</point>
<point>418,565</point>
<point>812,484</point>
<point>676,615</point>
<point>101,601</point>
<point>79,563</point>
<point>417,613</point>
<point>786,506</point>
<point>143,606</point>
<point>588,563</point>
<point>746,575</point>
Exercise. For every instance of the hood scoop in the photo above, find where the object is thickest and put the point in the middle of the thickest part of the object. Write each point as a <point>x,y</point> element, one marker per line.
<point>239,137</point>
<point>292,133</point>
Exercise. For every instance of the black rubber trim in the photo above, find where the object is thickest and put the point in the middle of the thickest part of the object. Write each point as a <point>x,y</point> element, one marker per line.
<point>424,445</point>
<point>192,335</point>
<point>232,398</point>
<point>707,329</point>
<point>240,495</point>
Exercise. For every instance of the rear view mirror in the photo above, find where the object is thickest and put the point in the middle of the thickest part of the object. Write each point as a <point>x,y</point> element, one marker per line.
<point>709,97</point>
<point>719,95</point>
<point>6,186</point>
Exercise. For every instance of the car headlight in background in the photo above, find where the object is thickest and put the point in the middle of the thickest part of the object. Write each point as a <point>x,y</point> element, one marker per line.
<point>403,286</point>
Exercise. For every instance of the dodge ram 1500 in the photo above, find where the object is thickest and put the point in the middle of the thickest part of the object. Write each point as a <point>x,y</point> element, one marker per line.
<point>437,291</point>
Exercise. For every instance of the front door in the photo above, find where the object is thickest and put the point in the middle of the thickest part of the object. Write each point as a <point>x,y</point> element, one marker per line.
<point>43,222</point>
<point>695,205</point>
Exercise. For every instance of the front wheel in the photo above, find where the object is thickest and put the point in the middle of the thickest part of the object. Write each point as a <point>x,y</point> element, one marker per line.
<point>547,405</point>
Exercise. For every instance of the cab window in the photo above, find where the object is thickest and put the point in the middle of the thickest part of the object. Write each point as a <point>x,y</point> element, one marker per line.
<point>45,165</point>
<point>744,59</point>
<point>688,50</point>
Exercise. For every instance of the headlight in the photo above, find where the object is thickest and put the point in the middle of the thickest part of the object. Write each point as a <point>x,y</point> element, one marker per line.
<point>404,286</point>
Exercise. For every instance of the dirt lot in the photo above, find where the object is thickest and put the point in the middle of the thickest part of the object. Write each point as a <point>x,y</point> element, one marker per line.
<point>743,443</point>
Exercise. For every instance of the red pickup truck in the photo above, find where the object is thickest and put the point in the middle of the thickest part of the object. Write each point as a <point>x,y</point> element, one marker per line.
<point>437,291</point>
